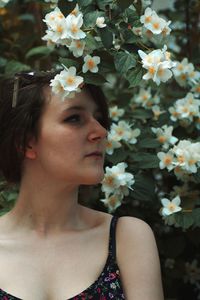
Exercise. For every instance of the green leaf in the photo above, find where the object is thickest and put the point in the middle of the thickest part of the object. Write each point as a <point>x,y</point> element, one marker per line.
<point>123,4</point>
<point>197,176</point>
<point>14,66</point>
<point>27,17</point>
<point>133,17</point>
<point>124,61</point>
<point>148,143</point>
<point>119,155</point>
<point>196,216</point>
<point>83,3</point>
<point>40,51</point>
<point>91,17</point>
<point>3,61</point>
<point>95,79</point>
<point>145,160</point>
<point>91,43</point>
<point>141,114</point>
<point>184,220</point>
<point>106,37</point>
<point>102,3</point>
<point>144,188</point>
<point>130,37</point>
<point>69,62</point>
<point>134,76</point>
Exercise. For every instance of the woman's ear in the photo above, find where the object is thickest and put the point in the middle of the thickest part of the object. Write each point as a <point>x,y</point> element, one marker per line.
<point>30,153</point>
<point>30,149</point>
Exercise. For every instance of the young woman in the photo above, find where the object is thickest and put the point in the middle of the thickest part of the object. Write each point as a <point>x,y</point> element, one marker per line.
<point>51,247</point>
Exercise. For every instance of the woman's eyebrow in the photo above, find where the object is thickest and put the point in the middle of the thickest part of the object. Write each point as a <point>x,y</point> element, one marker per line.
<point>80,108</point>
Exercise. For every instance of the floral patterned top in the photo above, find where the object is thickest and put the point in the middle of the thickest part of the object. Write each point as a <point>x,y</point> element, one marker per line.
<point>108,284</point>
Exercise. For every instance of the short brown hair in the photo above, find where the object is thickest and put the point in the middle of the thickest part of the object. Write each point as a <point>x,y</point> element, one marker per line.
<point>19,123</point>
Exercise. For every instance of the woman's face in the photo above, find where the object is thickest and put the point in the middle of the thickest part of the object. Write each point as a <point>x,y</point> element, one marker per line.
<point>69,131</point>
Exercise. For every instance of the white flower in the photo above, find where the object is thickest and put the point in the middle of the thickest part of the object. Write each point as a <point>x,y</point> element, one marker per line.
<point>54,17</point>
<point>164,135</point>
<point>166,160</point>
<point>76,11</point>
<point>120,131</point>
<point>157,24</point>
<point>185,108</point>
<point>112,202</point>
<point>133,134</point>
<point>116,112</point>
<point>77,47</point>
<point>116,180</point>
<point>154,23</point>
<point>187,155</point>
<point>100,22</point>
<point>111,144</point>
<point>170,207</point>
<point>147,17</point>
<point>3,2</point>
<point>157,64</point>
<point>73,25</point>
<point>91,64</point>
<point>66,83</point>
<point>156,111</point>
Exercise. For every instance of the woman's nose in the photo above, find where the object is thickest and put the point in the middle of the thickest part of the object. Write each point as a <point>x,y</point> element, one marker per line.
<point>97,131</point>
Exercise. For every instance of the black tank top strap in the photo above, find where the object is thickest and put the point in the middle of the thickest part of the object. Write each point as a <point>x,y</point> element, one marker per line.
<point>112,238</point>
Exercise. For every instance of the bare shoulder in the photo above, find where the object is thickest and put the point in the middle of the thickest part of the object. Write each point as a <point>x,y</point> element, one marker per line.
<point>138,260</point>
<point>132,230</point>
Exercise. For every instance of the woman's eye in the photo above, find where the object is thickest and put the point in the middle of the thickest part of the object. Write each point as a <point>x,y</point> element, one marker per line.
<point>73,119</point>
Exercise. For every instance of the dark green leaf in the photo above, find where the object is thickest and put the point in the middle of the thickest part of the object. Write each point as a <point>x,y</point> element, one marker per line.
<point>124,61</point>
<point>134,76</point>
<point>69,62</point>
<point>106,37</point>
<point>91,43</point>
<point>91,17</point>
<point>129,36</point>
<point>119,155</point>
<point>14,66</point>
<point>3,61</point>
<point>40,51</point>
<point>144,188</point>
<point>103,3</point>
<point>83,3</point>
<point>145,160</point>
<point>141,114</point>
<point>123,4</point>
<point>184,220</point>
<point>148,143</point>
<point>27,17</point>
<point>95,79</point>
<point>196,216</point>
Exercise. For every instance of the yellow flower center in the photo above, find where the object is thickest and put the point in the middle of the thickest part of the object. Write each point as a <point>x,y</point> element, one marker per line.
<point>90,64</point>
<point>109,180</point>
<point>171,207</point>
<point>148,19</point>
<point>181,159</point>
<point>168,160</point>
<point>151,70</point>
<point>78,44</point>
<point>70,80</point>
<point>113,201</point>
<point>59,28</point>
<point>160,72</point>
<point>162,139</point>
<point>74,28</point>
<point>109,145</point>
<point>156,25</point>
